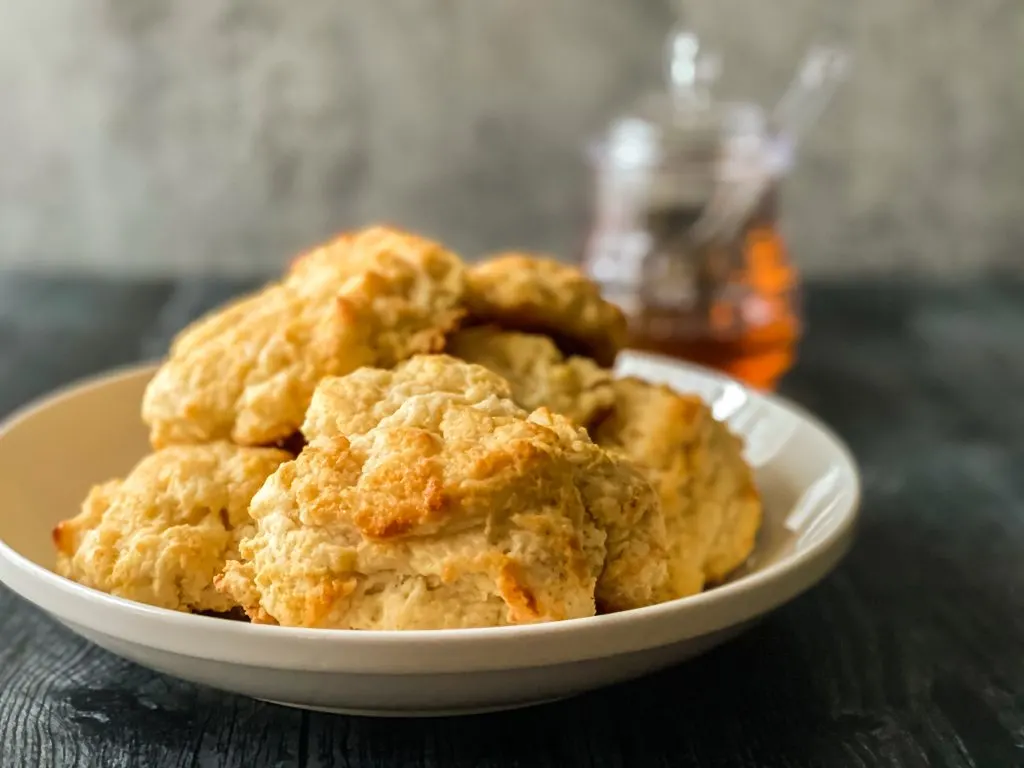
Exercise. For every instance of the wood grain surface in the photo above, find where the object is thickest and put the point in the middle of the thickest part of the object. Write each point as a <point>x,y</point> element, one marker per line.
<point>911,654</point>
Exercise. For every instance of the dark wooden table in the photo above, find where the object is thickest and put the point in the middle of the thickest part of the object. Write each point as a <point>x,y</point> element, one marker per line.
<point>912,653</point>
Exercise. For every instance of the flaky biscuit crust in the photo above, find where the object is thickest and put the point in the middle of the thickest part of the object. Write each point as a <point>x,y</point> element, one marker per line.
<point>444,515</point>
<point>626,507</point>
<point>444,509</point>
<point>162,534</point>
<point>356,403</point>
<point>247,372</point>
<point>711,505</point>
<point>614,492</point>
<point>539,374</point>
<point>520,292</point>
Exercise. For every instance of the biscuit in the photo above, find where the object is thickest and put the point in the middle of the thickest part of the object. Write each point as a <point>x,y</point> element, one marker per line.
<point>442,516</point>
<point>711,506</point>
<point>442,509</point>
<point>533,294</point>
<point>540,375</point>
<point>162,534</point>
<point>615,493</point>
<point>246,372</point>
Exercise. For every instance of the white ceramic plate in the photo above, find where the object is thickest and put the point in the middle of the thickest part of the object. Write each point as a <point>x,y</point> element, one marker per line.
<point>53,451</point>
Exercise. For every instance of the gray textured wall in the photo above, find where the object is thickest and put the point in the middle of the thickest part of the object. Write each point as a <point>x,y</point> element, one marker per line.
<point>225,135</point>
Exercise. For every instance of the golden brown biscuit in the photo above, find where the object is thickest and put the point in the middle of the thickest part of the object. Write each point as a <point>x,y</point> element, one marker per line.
<point>161,534</point>
<point>443,509</point>
<point>246,372</point>
<point>538,373</point>
<point>615,493</point>
<point>442,516</point>
<point>711,505</point>
<point>527,293</point>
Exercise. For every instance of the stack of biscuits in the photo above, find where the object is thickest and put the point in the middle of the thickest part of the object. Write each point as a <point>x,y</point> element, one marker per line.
<point>388,438</point>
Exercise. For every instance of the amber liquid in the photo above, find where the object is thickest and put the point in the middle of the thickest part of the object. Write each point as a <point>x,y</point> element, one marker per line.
<point>744,316</point>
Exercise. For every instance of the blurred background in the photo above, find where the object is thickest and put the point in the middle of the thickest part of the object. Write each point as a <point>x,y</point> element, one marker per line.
<point>221,137</point>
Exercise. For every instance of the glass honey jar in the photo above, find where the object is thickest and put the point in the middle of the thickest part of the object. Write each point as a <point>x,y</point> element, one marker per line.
<point>685,233</point>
